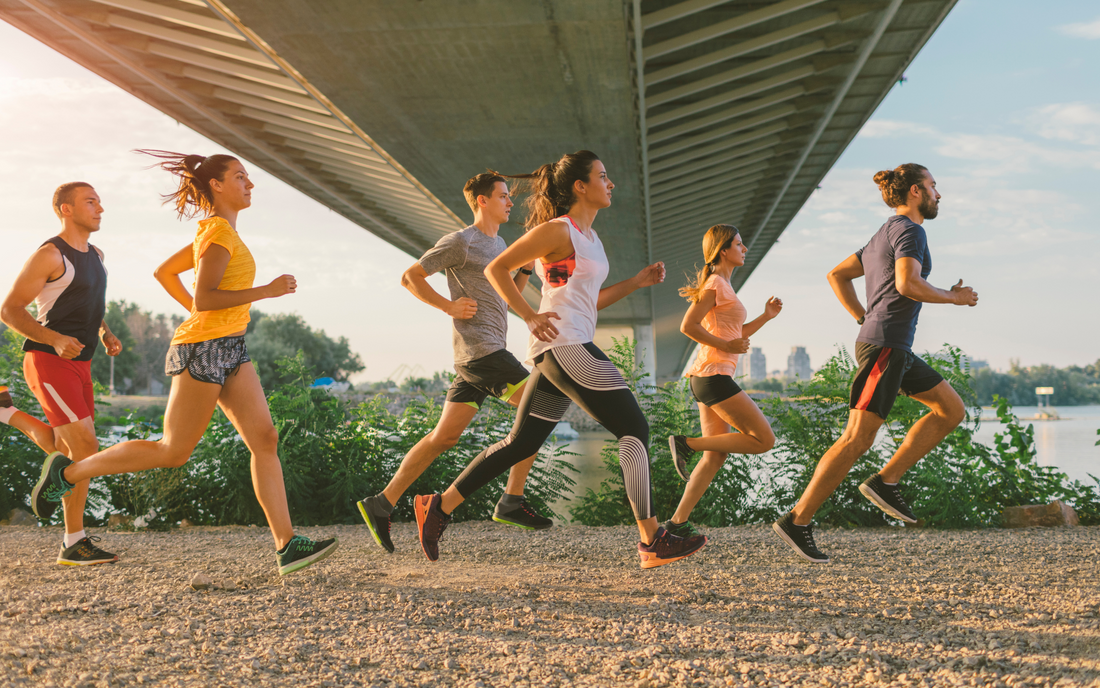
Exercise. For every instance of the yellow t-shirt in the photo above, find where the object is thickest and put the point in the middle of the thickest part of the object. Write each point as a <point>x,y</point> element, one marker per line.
<point>206,325</point>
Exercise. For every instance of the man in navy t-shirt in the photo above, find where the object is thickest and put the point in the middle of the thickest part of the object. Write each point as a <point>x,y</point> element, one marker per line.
<point>895,262</point>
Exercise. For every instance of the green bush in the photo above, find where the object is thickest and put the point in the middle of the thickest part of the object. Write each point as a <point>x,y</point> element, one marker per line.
<point>22,459</point>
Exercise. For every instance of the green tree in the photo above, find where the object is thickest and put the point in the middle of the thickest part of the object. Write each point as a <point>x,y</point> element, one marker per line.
<point>272,338</point>
<point>126,363</point>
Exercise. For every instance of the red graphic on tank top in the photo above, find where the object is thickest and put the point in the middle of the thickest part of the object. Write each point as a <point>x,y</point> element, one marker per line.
<point>559,272</point>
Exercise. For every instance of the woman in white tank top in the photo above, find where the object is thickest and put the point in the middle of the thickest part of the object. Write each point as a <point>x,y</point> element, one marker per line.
<point>568,367</point>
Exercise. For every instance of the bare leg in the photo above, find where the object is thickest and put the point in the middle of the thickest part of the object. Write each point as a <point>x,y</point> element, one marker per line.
<point>38,432</point>
<point>854,442</point>
<point>79,442</point>
<point>242,399</point>
<point>947,412</point>
<point>190,405</point>
<point>755,437</point>
<point>452,423</point>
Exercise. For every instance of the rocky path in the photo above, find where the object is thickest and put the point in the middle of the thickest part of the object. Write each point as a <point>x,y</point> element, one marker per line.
<point>566,607</point>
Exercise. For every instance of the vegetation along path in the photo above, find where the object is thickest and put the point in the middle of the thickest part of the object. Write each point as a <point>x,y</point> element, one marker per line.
<point>565,607</point>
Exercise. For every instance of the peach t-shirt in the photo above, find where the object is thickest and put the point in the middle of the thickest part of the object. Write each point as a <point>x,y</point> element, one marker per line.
<point>723,321</point>
<point>202,326</point>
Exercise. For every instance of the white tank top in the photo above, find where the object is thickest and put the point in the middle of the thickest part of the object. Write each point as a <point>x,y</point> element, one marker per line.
<point>571,288</point>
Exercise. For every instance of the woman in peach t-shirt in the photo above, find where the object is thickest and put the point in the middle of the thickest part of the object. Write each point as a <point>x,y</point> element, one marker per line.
<point>716,319</point>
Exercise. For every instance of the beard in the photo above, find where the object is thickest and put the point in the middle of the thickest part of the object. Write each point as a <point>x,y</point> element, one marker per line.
<point>929,207</point>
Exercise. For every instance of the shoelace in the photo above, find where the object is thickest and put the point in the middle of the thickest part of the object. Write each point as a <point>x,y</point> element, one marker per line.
<point>303,543</point>
<point>55,493</point>
<point>523,505</point>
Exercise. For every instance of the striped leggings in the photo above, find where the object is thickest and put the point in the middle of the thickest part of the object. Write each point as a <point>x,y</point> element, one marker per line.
<point>580,373</point>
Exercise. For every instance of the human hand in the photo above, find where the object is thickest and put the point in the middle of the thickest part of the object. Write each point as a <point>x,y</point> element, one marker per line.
<point>67,347</point>
<point>111,343</point>
<point>651,274</point>
<point>737,346</point>
<point>282,285</point>
<point>772,307</point>
<point>539,324</point>
<point>964,296</point>
<point>462,308</point>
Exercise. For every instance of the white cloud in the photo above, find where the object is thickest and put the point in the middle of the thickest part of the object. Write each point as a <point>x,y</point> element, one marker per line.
<point>1076,122</point>
<point>1089,30</point>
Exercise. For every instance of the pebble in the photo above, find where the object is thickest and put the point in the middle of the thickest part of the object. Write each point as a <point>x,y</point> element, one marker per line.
<point>567,607</point>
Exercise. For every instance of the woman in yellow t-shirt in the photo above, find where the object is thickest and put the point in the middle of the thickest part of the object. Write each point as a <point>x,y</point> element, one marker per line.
<point>208,359</point>
<point>716,319</point>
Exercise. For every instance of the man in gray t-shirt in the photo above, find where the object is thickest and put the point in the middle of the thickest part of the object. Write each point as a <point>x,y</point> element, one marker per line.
<point>483,365</point>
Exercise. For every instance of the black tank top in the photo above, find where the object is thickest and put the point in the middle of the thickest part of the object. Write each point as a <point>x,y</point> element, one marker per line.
<point>74,303</point>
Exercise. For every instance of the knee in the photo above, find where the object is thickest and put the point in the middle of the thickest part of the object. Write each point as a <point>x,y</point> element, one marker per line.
<point>953,412</point>
<point>265,441</point>
<point>442,441</point>
<point>174,458</point>
<point>856,442</point>
<point>766,440</point>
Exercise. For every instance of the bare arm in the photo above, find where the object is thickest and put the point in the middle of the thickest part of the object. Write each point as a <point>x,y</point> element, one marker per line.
<point>649,275</point>
<point>549,240</point>
<point>415,279</point>
<point>771,310</point>
<point>841,278</point>
<point>211,269</point>
<point>909,283</point>
<point>521,278</point>
<point>168,274</point>
<point>44,265</point>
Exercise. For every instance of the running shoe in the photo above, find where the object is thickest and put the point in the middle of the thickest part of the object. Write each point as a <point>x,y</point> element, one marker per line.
<point>84,552</point>
<point>300,552</point>
<point>430,523</point>
<point>681,452</point>
<point>523,516</point>
<point>667,548</point>
<point>378,522</point>
<point>800,539</point>
<point>684,530</point>
<point>887,497</point>
<point>51,488</point>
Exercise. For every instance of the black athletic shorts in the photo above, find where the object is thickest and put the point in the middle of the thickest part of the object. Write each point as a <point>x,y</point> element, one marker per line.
<point>499,374</point>
<point>210,361</point>
<point>883,372</point>
<point>713,389</point>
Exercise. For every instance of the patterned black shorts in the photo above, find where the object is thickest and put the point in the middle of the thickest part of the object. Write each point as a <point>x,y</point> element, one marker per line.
<point>210,361</point>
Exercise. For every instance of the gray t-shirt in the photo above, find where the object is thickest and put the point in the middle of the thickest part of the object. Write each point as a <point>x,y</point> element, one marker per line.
<point>464,255</point>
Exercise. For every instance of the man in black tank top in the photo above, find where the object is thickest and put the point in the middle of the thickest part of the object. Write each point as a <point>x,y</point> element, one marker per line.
<point>67,281</point>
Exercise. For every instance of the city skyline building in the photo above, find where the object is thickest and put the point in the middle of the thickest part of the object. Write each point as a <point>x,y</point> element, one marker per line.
<point>756,364</point>
<point>798,364</point>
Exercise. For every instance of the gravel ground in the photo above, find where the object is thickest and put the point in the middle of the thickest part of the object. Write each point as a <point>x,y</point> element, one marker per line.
<point>564,607</point>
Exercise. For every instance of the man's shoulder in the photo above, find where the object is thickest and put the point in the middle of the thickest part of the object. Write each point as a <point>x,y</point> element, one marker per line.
<point>899,225</point>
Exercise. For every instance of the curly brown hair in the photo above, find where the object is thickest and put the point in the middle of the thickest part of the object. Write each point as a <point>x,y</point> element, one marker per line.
<point>895,184</point>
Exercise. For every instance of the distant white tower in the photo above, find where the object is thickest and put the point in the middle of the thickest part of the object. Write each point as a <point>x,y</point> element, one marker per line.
<point>756,365</point>
<point>798,364</point>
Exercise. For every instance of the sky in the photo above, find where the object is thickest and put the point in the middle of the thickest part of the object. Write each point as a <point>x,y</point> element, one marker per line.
<point>1002,105</point>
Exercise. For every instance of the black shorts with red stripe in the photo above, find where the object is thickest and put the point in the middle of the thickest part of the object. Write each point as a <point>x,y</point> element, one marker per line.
<point>883,373</point>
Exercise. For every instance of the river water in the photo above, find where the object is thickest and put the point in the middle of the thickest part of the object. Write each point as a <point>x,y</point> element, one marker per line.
<point>1068,443</point>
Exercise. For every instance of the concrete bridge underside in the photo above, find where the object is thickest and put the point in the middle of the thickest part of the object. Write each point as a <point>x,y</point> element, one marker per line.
<point>703,111</point>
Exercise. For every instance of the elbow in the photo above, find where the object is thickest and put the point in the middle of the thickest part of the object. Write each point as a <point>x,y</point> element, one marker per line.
<point>405,280</point>
<point>5,315</point>
<point>905,289</point>
<point>201,304</point>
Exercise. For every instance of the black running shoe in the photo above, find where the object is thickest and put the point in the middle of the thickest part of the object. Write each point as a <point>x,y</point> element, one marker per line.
<point>523,516</point>
<point>667,548</point>
<point>430,523</point>
<point>85,553</point>
<point>300,552</point>
<point>681,452</point>
<point>800,539</point>
<point>887,497</point>
<point>684,530</point>
<point>51,488</point>
<point>378,521</point>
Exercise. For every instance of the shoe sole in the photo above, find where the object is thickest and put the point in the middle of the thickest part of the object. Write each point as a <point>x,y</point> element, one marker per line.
<point>66,562</point>
<point>421,510</point>
<point>797,550</point>
<point>41,485</point>
<point>681,466</point>
<point>878,501</point>
<point>500,519</point>
<point>370,527</point>
<point>312,559</point>
<point>655,562</point>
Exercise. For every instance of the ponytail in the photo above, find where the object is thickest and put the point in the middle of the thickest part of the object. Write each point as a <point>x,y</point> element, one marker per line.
<point>717,239</point>
<point>193,196</point>
<point>550,187</point>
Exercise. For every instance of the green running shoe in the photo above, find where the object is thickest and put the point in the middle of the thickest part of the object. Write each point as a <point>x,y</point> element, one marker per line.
<point>51,487</point>
<point>300,552</point>
<point>681,454</point>
<point>684,530</point>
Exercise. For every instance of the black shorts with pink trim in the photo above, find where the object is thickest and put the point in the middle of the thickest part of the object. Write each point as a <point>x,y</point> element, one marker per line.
<point>884,373</point>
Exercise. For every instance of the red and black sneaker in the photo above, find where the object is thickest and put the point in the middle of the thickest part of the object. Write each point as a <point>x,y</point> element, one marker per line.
<point>667,548</point>
<point>430,523</point>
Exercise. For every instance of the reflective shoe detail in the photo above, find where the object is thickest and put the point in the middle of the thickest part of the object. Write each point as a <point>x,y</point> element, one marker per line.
<point>430,523</point>
<point>300,552</point>
<point>681,452</point>
<point>667,548</point>
<point>85,553</point>
<point>800,539</point>
<point>887,497</point>
<point>684,530</point>
<point>523,516</point>
<point>379,526</point>
<point>51,488</point>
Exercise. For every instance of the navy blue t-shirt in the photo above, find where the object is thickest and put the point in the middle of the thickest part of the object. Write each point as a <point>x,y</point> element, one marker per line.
<point>891,319</point>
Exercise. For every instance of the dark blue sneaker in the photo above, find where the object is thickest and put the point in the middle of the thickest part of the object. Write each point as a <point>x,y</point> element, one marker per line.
<point>887,497</point>
<point>300,552</point>
<point>51,487</point>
